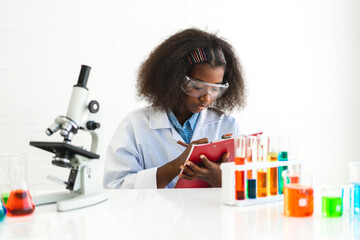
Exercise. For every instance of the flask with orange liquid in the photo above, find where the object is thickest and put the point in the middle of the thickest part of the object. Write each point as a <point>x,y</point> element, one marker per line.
<point>298,194</point>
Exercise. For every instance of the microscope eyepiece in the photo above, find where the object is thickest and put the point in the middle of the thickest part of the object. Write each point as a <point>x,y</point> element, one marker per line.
<point>83,77</point>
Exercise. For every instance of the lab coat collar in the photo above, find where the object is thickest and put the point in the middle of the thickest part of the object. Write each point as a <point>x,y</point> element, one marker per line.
<point>158,119</point>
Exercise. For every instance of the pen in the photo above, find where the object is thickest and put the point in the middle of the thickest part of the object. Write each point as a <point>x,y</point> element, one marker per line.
<point>182,143</point>
<point>226,136</point>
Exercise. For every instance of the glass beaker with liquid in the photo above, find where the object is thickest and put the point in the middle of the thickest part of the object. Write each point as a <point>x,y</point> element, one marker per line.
<point>298,194</point>
<point>355,188</point>
<point>19,202</point>
<point>332,201</point>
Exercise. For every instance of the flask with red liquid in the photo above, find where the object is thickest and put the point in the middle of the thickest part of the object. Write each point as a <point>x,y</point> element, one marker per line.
<point>19,202</point>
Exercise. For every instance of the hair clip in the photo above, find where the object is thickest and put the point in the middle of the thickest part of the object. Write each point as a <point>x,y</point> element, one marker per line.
<point>197,55</point>
<point>221,55</point>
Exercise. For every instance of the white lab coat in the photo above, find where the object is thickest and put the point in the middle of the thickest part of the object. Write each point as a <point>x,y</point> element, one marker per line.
<point>146,140</point>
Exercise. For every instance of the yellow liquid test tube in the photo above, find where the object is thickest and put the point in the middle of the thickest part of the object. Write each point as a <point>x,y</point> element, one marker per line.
<point>261,173</point>
<point>273,174</point>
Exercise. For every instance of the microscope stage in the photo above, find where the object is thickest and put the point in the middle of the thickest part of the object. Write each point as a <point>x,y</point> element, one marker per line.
<point>63,147</point>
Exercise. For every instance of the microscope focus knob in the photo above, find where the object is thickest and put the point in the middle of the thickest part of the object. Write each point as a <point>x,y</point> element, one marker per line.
<point>94,106</point>
<point>91,125</point>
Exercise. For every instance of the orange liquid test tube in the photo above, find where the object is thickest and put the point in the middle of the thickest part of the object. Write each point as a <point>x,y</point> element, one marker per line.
<point>240,155</point>
<point>272,156</point>
<point>240,181</point>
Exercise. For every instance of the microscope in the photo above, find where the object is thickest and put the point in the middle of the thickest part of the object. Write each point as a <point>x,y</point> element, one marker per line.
<point>83,189</point>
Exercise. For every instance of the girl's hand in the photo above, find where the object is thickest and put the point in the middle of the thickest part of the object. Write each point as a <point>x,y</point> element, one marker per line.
<point>166,173</point>
<point>210,172</point>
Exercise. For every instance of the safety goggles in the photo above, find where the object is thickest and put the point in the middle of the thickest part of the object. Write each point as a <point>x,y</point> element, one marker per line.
<point>198,88</point>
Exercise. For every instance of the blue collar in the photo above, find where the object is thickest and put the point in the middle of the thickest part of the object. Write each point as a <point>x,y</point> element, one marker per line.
<point>192,120</point>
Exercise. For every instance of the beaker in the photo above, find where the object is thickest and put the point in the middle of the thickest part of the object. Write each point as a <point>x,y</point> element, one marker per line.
<point>355,188</point>
<point>14,168</point>
<point>298,194</point>
<point>332,201</point>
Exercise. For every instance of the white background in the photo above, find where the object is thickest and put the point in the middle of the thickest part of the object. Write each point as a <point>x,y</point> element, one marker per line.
<point>301,61</point>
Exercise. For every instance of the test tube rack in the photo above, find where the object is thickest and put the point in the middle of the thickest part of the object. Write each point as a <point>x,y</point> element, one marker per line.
<point>228,182</point>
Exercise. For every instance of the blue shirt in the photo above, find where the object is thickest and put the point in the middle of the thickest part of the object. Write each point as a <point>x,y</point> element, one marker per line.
<point>186,131</point>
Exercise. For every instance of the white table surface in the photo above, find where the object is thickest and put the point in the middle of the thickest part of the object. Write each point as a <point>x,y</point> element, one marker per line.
<point>174,214</point>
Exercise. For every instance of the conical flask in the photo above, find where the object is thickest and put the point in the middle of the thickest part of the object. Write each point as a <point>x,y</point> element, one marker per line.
<point>19,202</point>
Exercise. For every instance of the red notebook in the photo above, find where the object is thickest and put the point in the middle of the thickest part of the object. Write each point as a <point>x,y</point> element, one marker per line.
<point>213,151</point>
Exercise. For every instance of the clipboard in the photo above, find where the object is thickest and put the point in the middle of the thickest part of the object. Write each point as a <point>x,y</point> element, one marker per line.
<point>213,151</point>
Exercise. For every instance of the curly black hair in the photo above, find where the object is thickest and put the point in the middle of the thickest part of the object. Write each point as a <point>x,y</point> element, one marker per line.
<point>162,73</point>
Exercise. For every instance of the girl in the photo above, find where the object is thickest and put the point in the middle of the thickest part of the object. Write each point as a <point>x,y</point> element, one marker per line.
<point>190,80</point>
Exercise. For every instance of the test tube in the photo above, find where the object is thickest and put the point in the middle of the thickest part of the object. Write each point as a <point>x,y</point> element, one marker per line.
<point>240,155</point>
<point>293,144</point>
<point>261,172</point>
<point>251,156</point>
<point>282,157</point>
<point>249,145</point>
<point>272,155</point>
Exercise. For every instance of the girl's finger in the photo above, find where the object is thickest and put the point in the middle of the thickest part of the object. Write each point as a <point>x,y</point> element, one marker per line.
<point>187,177</point>
<point>193,167</point>
<point>225,157</point>
<point>189,171</point>
<point>206,161</point>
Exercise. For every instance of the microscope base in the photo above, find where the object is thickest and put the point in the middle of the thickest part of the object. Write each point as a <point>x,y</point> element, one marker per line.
<point>52,197</point>
<point>66,201</point>
<point>81,201</point>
